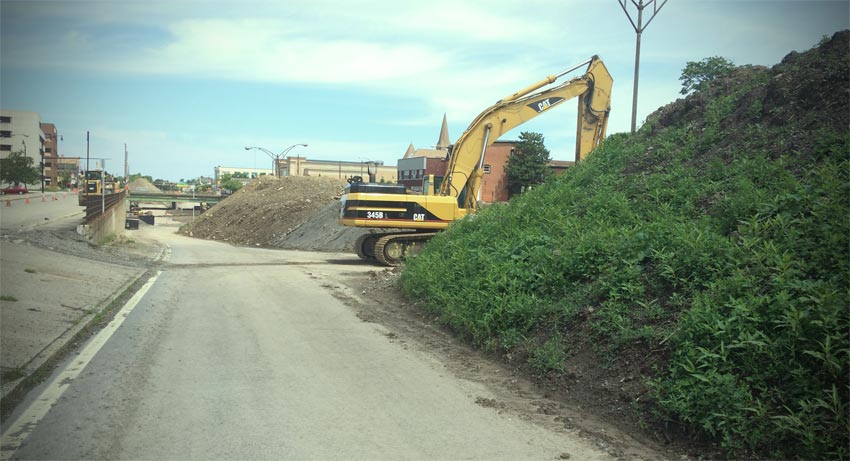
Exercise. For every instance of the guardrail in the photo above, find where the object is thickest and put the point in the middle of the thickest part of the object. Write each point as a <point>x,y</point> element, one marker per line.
<point>96,205</point>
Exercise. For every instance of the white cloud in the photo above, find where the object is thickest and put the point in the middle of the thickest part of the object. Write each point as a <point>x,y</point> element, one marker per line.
<point>444,56</point>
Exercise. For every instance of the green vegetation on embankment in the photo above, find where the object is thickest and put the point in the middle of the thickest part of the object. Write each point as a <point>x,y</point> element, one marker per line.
<point>711,249</point>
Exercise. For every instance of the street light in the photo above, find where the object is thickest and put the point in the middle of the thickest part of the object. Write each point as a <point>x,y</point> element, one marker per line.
<point>285,151</point>
<point>276,157</point>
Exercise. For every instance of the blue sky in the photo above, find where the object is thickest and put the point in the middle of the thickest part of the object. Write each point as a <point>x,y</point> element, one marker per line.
<point>187,84</point>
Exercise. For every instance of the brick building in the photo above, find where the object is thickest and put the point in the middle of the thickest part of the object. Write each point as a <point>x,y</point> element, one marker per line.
<point>419,163</point>
<point>50,145</point>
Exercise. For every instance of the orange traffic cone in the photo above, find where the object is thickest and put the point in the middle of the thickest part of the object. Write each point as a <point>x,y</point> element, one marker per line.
<point>8,202</point>
<point>42,199</point>
<point>27,201</point>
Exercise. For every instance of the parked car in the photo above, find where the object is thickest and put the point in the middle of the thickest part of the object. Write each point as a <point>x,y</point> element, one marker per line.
<point>15,190</point>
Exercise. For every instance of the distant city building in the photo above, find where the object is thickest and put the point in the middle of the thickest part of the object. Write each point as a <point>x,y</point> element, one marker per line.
<point>20,131</point>
<point>50,145</point>
<point>23,131</point>
<point>243,175</point>
<point>302,166</point>
<point>69,165</point>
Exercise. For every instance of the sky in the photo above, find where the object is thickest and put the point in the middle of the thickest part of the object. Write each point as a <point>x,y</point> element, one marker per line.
<point>186,85</point>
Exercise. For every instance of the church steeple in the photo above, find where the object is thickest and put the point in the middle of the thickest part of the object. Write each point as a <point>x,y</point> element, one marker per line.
<point>443,143</point>
<point>410,151</point>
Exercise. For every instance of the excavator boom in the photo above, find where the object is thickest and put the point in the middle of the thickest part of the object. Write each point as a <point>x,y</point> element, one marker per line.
<point>593,90</point>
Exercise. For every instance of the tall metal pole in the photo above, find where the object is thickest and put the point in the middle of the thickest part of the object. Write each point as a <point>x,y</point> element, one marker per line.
<point>639,28</point>
<point>87,152</point>
<point>638,31</point>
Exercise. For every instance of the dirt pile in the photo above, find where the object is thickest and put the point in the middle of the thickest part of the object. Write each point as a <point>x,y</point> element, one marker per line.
<point>143,186</point>
<point>794,102</point>
<point>294,212</point>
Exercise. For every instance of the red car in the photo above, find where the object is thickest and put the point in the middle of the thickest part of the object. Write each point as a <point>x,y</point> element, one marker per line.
<point>15,190</point>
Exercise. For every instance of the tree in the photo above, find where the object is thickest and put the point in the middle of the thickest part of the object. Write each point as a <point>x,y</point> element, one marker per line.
<point>17,169</point>
<point>696,76</point>
<point>64,178</point>
<point>529,165</point>
<point>231,185</point>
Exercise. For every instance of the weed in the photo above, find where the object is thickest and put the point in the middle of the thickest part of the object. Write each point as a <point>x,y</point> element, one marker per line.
<point>721,238</point>
<point>8,298</point>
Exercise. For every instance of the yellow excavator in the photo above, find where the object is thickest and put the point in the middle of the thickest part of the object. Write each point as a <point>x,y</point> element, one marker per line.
<point>419,216</point>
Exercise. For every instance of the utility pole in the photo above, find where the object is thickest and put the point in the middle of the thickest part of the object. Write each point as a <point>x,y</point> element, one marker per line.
<point>126,165</point>
<point>639,28</point>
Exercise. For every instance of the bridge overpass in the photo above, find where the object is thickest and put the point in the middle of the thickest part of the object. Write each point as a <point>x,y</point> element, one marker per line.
<point>141,197</point>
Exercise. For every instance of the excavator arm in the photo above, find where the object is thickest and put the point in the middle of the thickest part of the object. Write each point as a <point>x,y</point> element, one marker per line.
<point>593,89</point>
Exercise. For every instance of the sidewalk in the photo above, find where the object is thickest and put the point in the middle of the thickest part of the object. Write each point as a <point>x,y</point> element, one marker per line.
<point>47,298</point>
<point>36,196</point>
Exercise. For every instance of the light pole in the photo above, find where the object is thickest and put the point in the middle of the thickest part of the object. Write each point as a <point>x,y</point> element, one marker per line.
<point>297,163</point>
<point>276,157</point>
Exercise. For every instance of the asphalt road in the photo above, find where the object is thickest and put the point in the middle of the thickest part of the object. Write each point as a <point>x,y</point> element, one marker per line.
<point>244,353</point>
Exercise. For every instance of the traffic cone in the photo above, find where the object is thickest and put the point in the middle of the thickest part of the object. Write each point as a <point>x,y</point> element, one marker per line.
<point>42,199</point>
<point>8,202</point>
<point>27,201</point>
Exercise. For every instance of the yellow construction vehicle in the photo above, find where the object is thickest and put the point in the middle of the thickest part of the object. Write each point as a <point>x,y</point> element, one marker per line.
<point>97,183</point>
<point>419,216</point>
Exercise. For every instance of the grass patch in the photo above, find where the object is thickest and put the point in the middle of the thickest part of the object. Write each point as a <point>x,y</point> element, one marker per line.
<point>8,298</point>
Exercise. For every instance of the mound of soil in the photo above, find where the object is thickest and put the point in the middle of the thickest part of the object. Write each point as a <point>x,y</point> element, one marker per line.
<point>295,212</point>
<point>143,186</point>
<point>321,232</point>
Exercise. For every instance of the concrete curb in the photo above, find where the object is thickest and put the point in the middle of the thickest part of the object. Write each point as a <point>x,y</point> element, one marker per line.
<point>40,364</point>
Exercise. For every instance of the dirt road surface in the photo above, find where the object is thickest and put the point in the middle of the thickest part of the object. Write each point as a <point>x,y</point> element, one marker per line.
<point>259,353</point>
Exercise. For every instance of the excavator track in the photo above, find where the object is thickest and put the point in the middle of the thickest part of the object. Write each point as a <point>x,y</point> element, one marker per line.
<point>365,246</point>
<point>394,249</point>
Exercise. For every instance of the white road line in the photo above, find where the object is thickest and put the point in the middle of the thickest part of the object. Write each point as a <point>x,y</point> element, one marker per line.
<point>20,429</point>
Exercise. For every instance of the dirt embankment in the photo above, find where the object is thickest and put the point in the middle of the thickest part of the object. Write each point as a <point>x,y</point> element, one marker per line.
<point>143,186</point>
<point>293,212</point>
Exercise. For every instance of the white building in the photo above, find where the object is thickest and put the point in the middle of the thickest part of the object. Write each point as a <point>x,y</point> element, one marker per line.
<point>20,131</point>
<point>244,174</point>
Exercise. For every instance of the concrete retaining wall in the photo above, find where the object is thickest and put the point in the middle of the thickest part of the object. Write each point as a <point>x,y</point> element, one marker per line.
<point>109,223</point>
